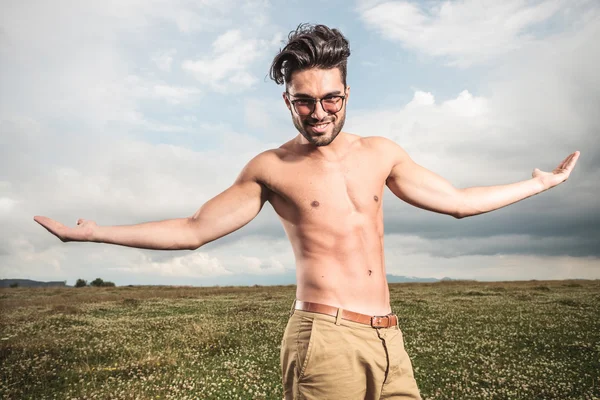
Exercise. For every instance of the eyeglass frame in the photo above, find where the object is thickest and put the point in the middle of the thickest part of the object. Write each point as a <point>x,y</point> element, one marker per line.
<point>315,100</point>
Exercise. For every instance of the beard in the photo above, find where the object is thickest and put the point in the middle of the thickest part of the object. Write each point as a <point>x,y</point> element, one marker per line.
<point>322,140</point>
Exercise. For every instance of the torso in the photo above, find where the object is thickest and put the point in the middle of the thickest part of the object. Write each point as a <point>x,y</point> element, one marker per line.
<point>332,214</point>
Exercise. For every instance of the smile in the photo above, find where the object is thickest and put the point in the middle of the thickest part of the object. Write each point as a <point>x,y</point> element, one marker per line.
<point>320,127</point>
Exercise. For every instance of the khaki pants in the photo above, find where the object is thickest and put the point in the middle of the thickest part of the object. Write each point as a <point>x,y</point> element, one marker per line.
<point>324,357</point>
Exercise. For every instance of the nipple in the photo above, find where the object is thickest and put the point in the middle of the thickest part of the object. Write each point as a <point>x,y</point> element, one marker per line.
<point>375,198</point>
<point>315,204</point>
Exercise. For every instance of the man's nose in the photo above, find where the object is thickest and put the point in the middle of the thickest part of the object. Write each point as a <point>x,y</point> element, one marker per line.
<point>319,113</point>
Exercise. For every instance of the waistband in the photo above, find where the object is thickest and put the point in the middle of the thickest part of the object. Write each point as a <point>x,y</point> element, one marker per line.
<point>376,321</point>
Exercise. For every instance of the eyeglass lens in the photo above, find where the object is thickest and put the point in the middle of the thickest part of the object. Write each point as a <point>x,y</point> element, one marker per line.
<point>330,104</point>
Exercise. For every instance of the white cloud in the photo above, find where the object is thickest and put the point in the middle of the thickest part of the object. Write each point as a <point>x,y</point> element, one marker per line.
<point>6,205</point>
<point>233,53</point>
<point>194,265</point>
<point>78,105</point>
<point>164,60</point>
<point>431,132</point>
<point>497,267</point>
<point>465,32</point>
<point>267,116</point>
<point>85,67</point>
<point>255,265</point>
<point>175,94</point>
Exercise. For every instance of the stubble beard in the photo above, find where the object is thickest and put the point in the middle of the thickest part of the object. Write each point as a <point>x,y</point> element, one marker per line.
<point>320,140</point>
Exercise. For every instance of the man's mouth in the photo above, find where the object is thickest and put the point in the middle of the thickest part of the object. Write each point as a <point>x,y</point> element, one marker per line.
<point>319,128</point>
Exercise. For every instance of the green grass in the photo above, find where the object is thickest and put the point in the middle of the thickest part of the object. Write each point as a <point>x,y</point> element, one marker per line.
<point>467,340</point>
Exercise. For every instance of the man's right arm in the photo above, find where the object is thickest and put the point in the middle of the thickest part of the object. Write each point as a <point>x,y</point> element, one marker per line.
<point>223,214</point>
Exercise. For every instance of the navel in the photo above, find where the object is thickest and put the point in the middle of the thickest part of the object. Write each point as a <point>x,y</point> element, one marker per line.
<point>375,198</point>
<point>315,204</point>
<point>370,272</point>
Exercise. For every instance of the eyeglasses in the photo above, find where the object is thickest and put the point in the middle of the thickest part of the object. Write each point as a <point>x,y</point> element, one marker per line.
<point>306,106</point>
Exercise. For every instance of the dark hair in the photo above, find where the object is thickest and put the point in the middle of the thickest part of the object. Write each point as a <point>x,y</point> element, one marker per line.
<point>311,46</point>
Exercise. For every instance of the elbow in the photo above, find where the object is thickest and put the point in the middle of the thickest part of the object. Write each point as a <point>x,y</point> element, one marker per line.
<point>463,213</point>
<point>195,245</point>
<point>458,215</point>
<point>462,208</point>
<point>192,247</point>
<point>458,207</point>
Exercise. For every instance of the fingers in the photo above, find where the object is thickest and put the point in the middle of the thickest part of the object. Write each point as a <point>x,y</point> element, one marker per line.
<point>570,164</point>
<point>565,161</point>
<point>44,221</point>
<point>52,226</point>
<point>562,163</point>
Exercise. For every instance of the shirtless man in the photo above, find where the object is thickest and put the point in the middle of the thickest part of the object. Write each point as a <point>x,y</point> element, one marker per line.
<point>341,341</point>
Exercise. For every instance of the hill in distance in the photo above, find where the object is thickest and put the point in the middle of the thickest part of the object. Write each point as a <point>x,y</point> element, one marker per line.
<point>403,279</point>
<point>241,280</point>
<point>4,283</point>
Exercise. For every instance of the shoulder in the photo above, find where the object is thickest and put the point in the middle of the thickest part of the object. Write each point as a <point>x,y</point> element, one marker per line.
<point>385,147</point>
<point>261,166</point>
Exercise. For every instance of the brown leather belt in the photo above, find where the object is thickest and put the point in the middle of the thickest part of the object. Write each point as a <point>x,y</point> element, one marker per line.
<point>384,321</point>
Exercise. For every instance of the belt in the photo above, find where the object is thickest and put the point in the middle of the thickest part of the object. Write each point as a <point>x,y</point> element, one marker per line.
<point>384,321</point>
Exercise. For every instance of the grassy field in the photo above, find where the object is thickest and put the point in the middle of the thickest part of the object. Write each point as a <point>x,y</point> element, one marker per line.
<point>467,340</point>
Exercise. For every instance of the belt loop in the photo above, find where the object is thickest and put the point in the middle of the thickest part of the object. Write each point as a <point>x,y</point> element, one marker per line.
<point>293,307</point>
<point>338,317</point>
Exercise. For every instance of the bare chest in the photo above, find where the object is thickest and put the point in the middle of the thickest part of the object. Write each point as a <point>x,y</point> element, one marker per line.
<point>310,189</point>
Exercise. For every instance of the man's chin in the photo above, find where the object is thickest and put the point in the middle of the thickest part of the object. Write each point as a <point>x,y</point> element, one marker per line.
<point>322,140</point>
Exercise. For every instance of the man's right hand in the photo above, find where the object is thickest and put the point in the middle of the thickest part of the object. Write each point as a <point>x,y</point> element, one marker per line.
<point>221,215</point>
<point>82,232</point>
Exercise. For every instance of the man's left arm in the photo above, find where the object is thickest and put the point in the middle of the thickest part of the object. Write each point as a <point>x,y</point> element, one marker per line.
<point>425,189</point>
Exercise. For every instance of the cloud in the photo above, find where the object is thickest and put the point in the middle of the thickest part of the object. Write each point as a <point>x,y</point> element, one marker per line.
<point>501,244</point>
<point>255,265</point>
<point>227,67</point>
<point>163,60</point>
<point>86,67</point>
<point>195,265</point>
<point>463,32</point>
<point>6,205</point>
<point>98,120</point>
<point>495,268</point>
<point>538,106</point>
<point>174,94</point>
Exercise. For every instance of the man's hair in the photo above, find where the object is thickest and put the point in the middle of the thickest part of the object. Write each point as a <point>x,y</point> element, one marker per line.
<point>311,46</point>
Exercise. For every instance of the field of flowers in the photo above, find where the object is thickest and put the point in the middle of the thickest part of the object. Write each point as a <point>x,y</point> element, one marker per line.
<point>467,340</point>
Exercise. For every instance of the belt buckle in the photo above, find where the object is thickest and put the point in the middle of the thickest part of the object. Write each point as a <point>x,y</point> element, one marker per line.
<point>377,320</point>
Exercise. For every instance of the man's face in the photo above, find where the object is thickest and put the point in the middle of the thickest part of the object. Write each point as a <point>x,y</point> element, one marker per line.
<point>322,125</point>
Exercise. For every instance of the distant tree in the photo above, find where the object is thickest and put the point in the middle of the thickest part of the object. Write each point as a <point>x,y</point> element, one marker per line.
<point>97,282</point>
<point>81,283</point>
<point>14,284</point>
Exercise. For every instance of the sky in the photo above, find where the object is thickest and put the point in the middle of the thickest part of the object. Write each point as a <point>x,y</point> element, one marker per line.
<point>127,111</point>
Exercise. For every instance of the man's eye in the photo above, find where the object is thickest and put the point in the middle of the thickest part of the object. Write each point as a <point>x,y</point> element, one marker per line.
<point>331,100</point>
<point>304,102</point>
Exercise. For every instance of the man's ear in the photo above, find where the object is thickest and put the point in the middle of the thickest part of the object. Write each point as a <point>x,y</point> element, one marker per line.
<point>347,93</point>
<point>287,101</point>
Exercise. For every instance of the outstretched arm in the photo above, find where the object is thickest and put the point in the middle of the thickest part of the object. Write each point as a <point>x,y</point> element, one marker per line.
<point>223,214</point>
<point>425,189</point>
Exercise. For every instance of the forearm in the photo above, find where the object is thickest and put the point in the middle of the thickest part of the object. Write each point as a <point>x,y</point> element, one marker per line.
<point>479,200</point>
<point>173,234</point>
